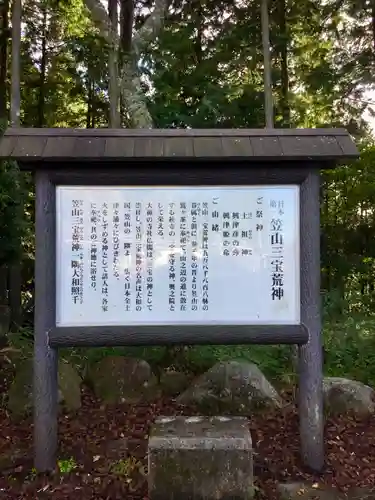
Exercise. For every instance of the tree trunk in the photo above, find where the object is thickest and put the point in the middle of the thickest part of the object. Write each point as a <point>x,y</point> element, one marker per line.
<point>4,36</point>
<point>15,278</point>
<point>372,14</point>
<point>131,88</point>
<point>268,101</point>
<point>94,105</point>
<point>3,285</point>
<point>113,87</point>
<point>16,73</point>
<point>43,67</point>
<point>283,51</point>
<point>89,104</point>
<point>199,14</point>
<point>126,26</point>
<point>126,35</point>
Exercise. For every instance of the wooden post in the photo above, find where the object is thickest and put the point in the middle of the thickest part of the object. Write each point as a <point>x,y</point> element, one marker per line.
<point>310,354</point>
<point>45,357</point>
<point>267,71</point>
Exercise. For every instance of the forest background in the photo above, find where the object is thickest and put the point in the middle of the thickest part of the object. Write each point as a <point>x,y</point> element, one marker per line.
<point>199,64</point>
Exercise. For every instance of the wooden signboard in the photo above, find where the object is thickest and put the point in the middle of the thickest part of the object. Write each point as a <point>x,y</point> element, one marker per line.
<point>157,237</point>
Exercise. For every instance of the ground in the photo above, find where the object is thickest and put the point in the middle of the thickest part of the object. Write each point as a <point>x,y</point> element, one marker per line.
<point>103,450</point>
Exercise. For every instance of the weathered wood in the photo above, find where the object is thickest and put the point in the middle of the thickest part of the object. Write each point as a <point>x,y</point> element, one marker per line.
<point>267,146</point>
<point>310,390</point>
<point>58,145</point>
<point>29,146</point>
<point>347,145</point>
<point>7,144</point>
<point>206,175</point>
<point>96,145</point>
<point>123,147</point>
<point>148,147</point>
<point>236,146</point>
<point>178,147</point>
<point>204,145</point>
<point>100,336</point>
<point>45,356</point>
<point>310,146</point>
<point>92,147</point>
<point>220,132</point>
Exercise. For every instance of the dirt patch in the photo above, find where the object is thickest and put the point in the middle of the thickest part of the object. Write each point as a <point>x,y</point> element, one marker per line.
<point>102,452</point>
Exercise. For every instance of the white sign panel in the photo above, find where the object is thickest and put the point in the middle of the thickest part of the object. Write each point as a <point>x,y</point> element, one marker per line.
<point>177,255</point>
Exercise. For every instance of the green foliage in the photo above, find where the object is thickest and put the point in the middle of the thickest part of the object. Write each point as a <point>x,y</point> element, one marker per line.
<point>348,222</point>
<point>126,467</point>
<point>66,466</point>
<point>11,212</point>
<point>349,351</point>
<point>12,221</point>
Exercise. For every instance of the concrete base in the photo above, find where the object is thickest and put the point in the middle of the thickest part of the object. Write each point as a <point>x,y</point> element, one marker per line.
<point>200,458</point>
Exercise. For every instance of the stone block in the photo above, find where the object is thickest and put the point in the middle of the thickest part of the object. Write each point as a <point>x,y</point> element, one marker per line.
<point>200,458</point>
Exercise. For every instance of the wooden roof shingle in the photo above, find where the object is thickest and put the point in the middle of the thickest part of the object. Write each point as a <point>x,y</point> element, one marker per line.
<point>30,146</point>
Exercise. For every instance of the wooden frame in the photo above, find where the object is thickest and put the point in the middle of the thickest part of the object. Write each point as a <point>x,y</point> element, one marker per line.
<point>35,146</point>
<point>49,337</point>
<point>175,334</point>
<point>106,157</point>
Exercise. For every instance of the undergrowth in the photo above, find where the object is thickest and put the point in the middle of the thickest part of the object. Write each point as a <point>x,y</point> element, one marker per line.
<point>349,351</point>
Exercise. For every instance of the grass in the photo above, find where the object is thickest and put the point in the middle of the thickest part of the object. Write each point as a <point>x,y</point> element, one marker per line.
<point>66,466</point>
<point>349,345</point>
<point>349,351</point>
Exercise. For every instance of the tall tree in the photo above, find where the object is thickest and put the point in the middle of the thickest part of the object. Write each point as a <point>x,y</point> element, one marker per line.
<point>15,271</point>
<point>114,112</point>
<point>130,86</point>
<point>16,64</point>
<point>126,36</point>
<point>4,37</point>
<point>267,69</point>
<point>283,39</point>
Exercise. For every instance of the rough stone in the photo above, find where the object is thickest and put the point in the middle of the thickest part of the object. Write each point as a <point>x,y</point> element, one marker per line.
<point>173,383</point>
<point>70,385</point>
<point>342,395</point>
<point>118,379</point>
<point>236,387</point>
<point>308,491</point>
<point>20,395</point>
<point>196,458</point>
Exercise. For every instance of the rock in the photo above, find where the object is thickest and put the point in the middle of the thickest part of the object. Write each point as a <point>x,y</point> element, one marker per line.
<point>308,491</point>
<point>232,387</point>
<point>173,383</point>
<point>118,379</point>
<point>70,385</point>
<point>342,395</point>
<point>200,458</point>
<point>20,395</point>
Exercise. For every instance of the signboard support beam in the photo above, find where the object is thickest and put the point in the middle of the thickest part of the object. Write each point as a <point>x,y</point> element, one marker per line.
<point>310,354</point>
<point>45,357</point>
